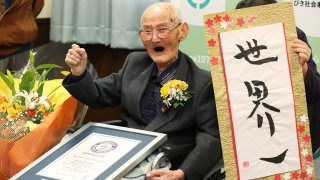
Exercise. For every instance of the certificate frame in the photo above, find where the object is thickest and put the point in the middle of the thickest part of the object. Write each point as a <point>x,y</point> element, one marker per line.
<point>148,142</point>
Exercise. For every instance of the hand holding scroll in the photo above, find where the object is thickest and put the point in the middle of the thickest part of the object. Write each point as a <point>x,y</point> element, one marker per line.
<point>304,53</point>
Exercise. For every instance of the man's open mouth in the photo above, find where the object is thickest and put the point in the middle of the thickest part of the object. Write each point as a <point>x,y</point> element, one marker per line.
<point>158,49</point>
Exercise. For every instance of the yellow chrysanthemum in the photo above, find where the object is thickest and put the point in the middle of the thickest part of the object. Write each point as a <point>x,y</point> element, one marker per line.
<point>182,85</point>
<point>164,91</point>
<point>3,107</point>
<point>19,107</point>
<point>174,93</point>
<point>13,112</point>
<point>173,82</point>
<point>178,84</point>
<point>170,83</point>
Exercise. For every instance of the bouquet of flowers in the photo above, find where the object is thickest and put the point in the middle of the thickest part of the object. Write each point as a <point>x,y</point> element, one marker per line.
<point>34,115</point>
<point>26,109</point>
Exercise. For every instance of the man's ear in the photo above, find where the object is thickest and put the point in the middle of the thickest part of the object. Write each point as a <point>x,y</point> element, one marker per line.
<point>184,31</point>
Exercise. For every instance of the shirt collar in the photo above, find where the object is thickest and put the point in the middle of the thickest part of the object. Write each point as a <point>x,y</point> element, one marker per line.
<point>164,77</point>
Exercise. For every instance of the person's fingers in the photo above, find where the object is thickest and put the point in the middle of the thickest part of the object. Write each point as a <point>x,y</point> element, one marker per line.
<point>76,59</point>
<point>302,49</point>
<point>301,46</point>
<point>75,46</point>
<point>74,53</point>
<point>72,58</point>
<point>297,43</point>
<point>158,173</point>
<point>70,62</point>
<point>303,57</point>
<point>298,46</point>
<point>82,52</point>
<point>74,50</point>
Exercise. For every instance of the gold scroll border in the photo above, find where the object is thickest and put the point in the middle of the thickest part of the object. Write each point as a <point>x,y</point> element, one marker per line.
<point>262,15</point>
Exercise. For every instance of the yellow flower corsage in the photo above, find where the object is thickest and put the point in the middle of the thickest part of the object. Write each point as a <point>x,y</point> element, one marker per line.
<point>174,93</point>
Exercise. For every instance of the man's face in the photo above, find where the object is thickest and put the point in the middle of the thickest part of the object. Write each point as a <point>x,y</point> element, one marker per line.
<point>162,49</point>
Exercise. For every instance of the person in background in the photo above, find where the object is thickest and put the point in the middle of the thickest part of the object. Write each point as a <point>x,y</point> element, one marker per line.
<point>310,74</point>
<point>193,146</point>
<point>18,28</point>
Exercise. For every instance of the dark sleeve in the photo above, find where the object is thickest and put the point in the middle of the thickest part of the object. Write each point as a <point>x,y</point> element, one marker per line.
<point>312,78</point>
<point>312,88</point>
<point>314,116</point>
<point>70,79</point>
<point>97,93</point>
<point>207,152</point>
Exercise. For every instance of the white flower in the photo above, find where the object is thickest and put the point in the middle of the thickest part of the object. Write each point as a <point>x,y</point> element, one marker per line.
<point>32,99</point>
<point>303,118</point>
<point>287,176</point>
<point>304,152</point>
<point>224,24</point>
<point>309,170</point>
<point>174,93</point>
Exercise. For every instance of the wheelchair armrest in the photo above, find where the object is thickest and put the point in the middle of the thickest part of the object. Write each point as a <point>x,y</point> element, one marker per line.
<point>217,173</point>
<point>73,129</point>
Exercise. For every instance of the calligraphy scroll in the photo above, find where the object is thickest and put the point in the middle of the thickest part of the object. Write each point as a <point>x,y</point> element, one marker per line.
<point>259,92</point>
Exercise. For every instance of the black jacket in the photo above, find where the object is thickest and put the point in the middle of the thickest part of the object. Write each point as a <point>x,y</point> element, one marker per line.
<point>193,134</point>
<point>312,88</point>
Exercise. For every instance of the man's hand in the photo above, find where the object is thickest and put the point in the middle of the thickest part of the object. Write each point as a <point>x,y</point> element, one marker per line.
<point>76,59</point>
<point>304,53</point>
<point>164,174</point>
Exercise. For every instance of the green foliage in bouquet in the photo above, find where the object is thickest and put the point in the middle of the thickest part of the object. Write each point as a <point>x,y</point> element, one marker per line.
<point>27,107</point>
<point>29,77</point>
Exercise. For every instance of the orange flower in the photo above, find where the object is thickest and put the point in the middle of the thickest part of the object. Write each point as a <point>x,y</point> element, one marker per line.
<point>3,99</point>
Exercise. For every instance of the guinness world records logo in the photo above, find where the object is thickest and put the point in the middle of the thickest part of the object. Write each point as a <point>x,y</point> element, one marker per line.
<point>104,147</point>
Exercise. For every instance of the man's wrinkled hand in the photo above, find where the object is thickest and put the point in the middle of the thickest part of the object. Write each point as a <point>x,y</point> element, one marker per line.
<point>76,59</point>
<point>304,53</point>
<point>164,174</point>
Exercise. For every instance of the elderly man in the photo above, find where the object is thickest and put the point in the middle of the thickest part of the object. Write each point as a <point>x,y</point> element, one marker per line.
<point>193,145</point>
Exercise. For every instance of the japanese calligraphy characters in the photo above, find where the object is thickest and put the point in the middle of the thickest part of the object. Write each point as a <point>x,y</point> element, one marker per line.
<point>261,102</point>
<point>260,95</point>
<point>244,53</point>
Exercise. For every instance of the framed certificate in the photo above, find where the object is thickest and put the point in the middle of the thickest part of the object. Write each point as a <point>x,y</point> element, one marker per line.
<point>96,151</point>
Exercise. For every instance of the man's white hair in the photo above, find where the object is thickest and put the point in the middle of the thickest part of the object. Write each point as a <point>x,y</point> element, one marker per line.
<point>175,14</point>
